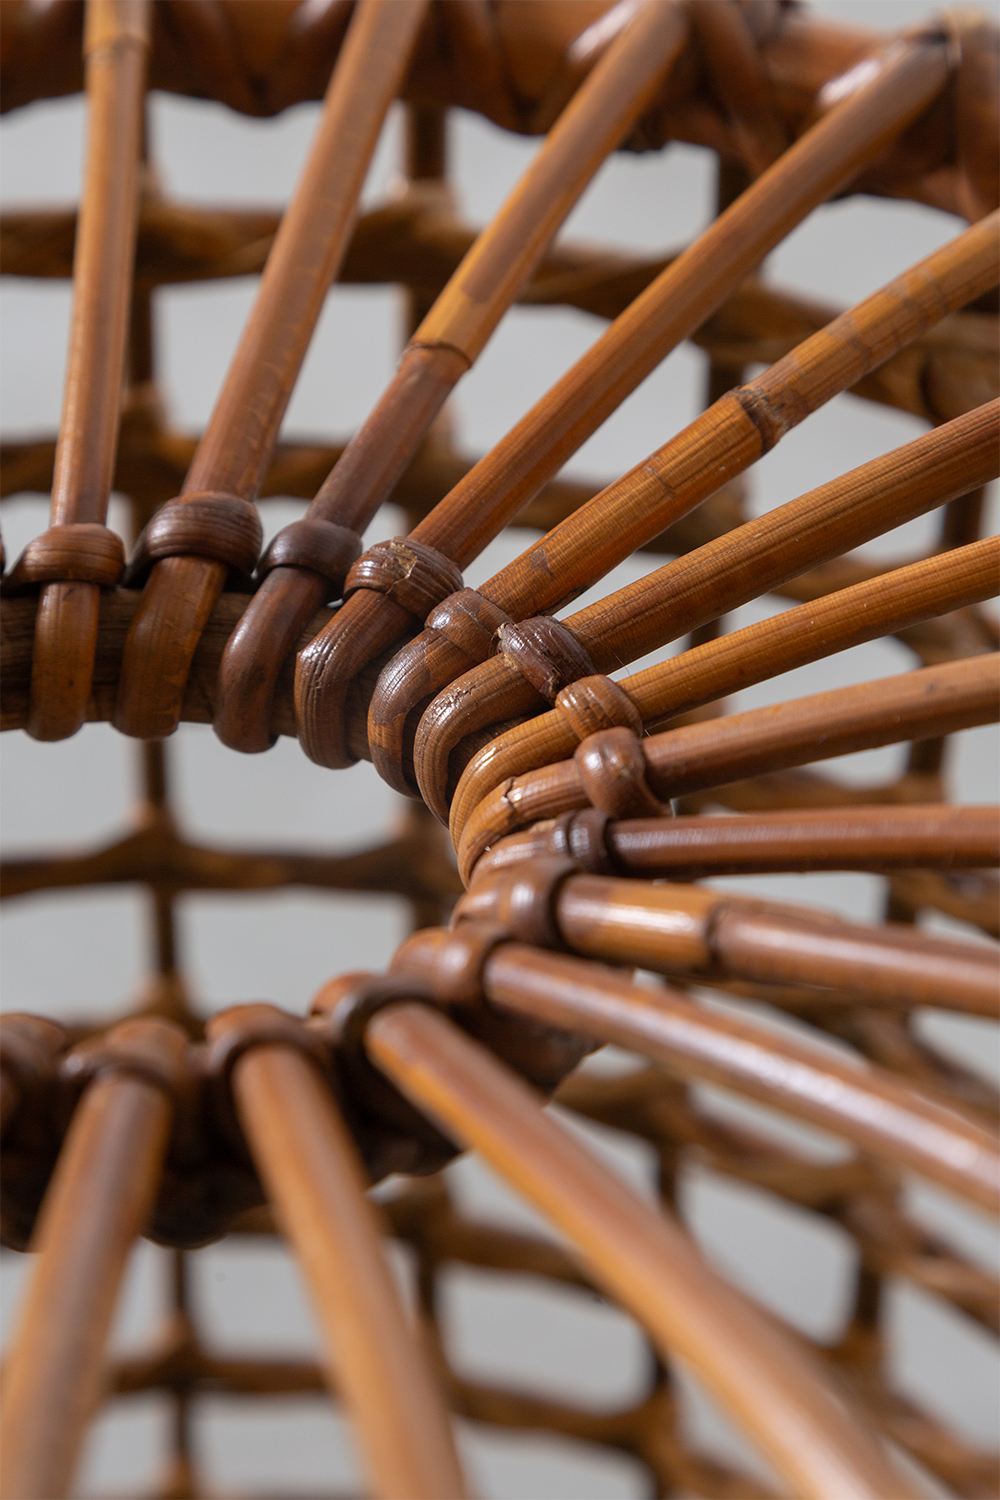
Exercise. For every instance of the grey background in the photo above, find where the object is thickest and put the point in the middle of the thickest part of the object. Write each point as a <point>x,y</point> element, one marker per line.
<point>73,956</point>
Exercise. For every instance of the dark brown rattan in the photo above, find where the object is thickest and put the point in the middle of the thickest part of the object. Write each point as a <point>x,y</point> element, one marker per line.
<point>577,804</point>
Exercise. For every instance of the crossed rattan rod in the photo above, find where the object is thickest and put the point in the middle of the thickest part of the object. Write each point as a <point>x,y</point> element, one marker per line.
<point>215,518</point>
<point>97,1204</point>
<point>706,673</point>
<point>906,78</point>
<point>696,847</point>
<point>615,771</point>
<point>686,929</point>
<point>297,578</point>
<point>312,1175</point>
<point>640,1256</point>
<point>714,448</point>
<point>78,553</point>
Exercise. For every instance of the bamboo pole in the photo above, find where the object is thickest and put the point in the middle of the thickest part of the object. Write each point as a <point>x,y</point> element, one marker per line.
<point>903,81</point>
<point>444,346</point>
<point>706,673</point>
<point>887,711</point>
<point>98,1201</point>
<point>311,1172</point>
<point>116,45</point>
<point>230,459</point>
<point>768,1384</point>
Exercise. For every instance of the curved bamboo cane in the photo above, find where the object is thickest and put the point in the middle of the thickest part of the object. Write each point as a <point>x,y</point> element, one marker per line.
<point>809,530</point>
<point>97,1203</point>
<point>879,606</point>
<point>641,1257</point>
<point>78,554</point>
<point>226,470</point>
<point>312,1175</point>
<point>903,81</point>
<point>887,711</point>
<point>938,836</point>
<point>445,345</point>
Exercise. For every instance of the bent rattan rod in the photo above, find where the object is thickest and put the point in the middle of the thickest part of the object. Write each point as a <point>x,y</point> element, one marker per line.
<point>685,929</point>
<point>312,1175</point>
<point>616,772</point>
<point>693,847</point>
<point>97,1203</point>
<point>767,1383</point>
<point>867,1105</point>
<point>792,638</point>
<point>192,544</point>
<point>905,78</point>
<point>713,449</point>
<point>78,554</point>
<point>445,345</point>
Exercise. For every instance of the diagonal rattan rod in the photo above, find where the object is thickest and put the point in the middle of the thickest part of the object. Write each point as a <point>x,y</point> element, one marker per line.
<point>312,1175</point>
<point>694,847</point>
<point>97,1204</point>
<point>888,711</point>
<point>904,80</point>
<point>190,558</point>
<point>446,344</point>
<point>714,448</point>
<point>78,553</point>
<point>869,1106</point>
<point>641,1257</point>
<point>704,674</point>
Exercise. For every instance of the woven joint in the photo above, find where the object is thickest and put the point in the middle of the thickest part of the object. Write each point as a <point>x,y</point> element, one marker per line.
<point>470,621</point>
<point>215,526</point>
<point>612,767</point>
<point>236,1030</point>
<point>347,1004</point>
<point>322,546</point>
<point>29,1049</point>
<point>81,552</point>
<point>148,1049</point>
<point>411,574</point>
<point>596,703</point>
<point>583,838</point>
<point>546,653</point>
<point>521,901</point>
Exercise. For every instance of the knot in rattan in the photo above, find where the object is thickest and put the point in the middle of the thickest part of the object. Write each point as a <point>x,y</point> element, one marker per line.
<point>80,552</point>
<point>597,702</point>
<point>613,769</point>
<point>410,573</point>
<point>210,524</point>
<point>546,654</point>
<point>146,1048</point>
<point>521,900</point>
<point>322,546</point>
<point>468,621</point>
